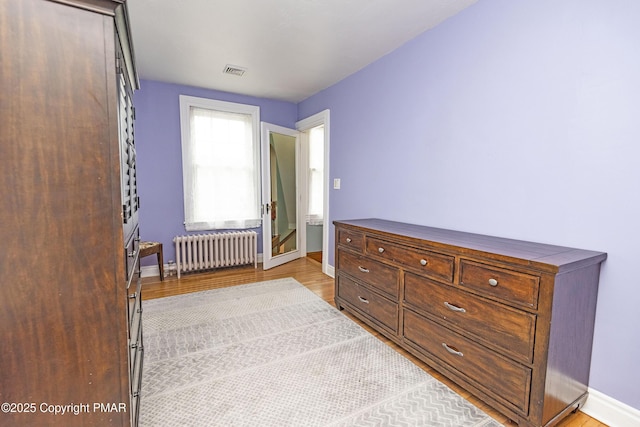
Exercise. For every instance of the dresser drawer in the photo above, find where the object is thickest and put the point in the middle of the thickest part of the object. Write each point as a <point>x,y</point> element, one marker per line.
<point>131,255</point>
<point>351,239</point>
<point>136,382</point>
<point>488,371</point>
<point>425,262</point>
<point>510,286</point>
<point>135,350</point>
<point>135,409</point>
<point>509,329</point>
<point>134,304</point>
<point>375,306</point>
<point>376,274</point>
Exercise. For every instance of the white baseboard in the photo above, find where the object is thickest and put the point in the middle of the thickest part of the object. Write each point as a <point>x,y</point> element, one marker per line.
<point>331,271</point>
<point>151,270</point>
<point>610,411</point>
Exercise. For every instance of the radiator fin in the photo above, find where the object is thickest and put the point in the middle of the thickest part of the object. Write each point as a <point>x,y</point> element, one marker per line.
<point>198,252</point>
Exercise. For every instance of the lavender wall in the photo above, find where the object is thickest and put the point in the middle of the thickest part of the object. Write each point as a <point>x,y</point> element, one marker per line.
<point>159,155</point>
<point>514,118</point>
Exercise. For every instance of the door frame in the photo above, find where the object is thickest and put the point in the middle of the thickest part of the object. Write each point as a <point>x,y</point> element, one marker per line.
<point>321,118</point>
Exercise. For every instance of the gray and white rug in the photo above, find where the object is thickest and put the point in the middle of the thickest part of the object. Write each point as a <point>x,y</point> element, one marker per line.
<point>274,354</point>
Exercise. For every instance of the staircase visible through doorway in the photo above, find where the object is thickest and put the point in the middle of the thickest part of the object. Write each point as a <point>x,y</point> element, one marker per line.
<point>317,256</point>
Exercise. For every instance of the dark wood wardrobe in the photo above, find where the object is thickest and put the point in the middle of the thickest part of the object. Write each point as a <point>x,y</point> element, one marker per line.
<point>71,336</point>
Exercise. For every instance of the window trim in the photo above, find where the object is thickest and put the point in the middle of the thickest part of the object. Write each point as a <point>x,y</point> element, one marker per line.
<point>186,102</point>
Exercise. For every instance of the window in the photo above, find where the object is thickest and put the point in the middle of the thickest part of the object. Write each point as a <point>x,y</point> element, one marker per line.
<point>316,175</point>
<point>220,164</point>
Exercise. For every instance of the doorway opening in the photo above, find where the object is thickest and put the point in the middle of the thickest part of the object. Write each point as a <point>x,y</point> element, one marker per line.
<point>314,223</point>
<point>315,196</point>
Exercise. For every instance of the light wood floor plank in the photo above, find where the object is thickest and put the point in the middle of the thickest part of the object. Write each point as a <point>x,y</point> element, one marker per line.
<point>309,273</point>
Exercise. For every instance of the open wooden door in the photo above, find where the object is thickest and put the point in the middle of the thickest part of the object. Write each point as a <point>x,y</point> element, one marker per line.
<point>281,224</point>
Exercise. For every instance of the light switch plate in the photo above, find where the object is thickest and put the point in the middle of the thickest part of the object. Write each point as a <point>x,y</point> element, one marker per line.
<point>336,183</point>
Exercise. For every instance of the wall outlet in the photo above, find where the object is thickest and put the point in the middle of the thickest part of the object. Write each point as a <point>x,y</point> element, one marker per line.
<point>336,183</point>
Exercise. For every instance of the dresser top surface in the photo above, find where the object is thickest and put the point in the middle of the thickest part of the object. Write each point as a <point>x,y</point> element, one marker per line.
<point>537,255</point>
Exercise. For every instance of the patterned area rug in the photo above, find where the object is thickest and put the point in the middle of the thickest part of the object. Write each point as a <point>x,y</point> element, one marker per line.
<point>275,354</point>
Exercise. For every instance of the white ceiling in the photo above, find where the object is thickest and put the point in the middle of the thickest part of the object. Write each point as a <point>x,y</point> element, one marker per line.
<point>292,49</point>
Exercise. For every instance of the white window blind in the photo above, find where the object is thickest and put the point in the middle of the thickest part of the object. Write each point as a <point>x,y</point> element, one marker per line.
<point>316,175</point>
<point>220,158</point>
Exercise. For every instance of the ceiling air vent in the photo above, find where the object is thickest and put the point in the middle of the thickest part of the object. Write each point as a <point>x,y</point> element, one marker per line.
<point>234,69</point>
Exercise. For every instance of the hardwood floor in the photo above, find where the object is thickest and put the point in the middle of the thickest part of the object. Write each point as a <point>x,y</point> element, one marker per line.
<point>308,272</point>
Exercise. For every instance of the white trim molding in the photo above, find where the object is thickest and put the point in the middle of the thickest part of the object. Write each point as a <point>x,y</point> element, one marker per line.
<point>322,118</point>
<point>154,271</point>
<point>610,411</point>
<point>331,271</point>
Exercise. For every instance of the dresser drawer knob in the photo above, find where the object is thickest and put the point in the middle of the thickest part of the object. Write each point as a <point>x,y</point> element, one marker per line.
<point>423,262</point>
<point>493,282</point>
<point>364,300</point>
<point>348,239</point>
<point>364,270</point>
<point>452,350</point>
<point>454,308</point>
<point>380,250</point>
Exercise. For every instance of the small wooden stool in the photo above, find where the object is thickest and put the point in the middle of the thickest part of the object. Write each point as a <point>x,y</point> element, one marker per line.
<point>150,248</point>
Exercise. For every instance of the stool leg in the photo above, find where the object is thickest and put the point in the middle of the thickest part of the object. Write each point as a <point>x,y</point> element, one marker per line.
<point>161,264</point>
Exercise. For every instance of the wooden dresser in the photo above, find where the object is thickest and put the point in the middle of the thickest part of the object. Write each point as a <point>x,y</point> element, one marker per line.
<point>70,308</point>
<point>510,321</point>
